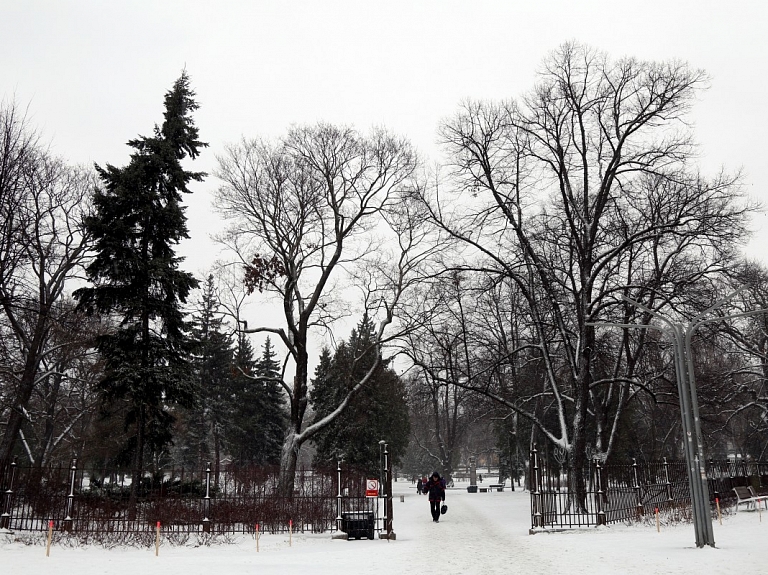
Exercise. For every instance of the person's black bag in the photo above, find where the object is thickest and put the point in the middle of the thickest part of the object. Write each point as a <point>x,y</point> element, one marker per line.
<point>443,509</point>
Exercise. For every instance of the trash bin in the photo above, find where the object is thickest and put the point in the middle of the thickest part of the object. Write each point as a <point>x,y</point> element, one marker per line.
<point>358,524</point>
<point>471,488</point>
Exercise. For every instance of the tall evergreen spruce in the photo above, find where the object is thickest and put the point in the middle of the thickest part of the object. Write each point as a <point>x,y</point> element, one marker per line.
<point>274,418</point>
<point>243,420</point>
<point>136,279</point>
<point>378,411</point>
<point>258,417</point>
<point>212,360</point>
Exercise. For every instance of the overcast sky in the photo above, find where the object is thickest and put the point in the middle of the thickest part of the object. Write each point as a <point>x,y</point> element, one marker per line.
<point>93,73</point>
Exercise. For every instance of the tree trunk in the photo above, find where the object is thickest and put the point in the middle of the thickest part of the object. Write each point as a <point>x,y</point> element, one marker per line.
<point>137,465</point>
<point>16,417</point>
<point>50,414</point>
<point>288,460</point>
<point>216,455</point>
<point>578,455</point>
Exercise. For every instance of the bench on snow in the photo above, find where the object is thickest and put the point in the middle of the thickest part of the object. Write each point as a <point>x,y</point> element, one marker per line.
<point>497,486</point>
<point>748,497</point>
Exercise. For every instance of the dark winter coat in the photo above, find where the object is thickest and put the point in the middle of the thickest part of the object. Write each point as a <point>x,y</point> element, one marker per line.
<point>436,489</point>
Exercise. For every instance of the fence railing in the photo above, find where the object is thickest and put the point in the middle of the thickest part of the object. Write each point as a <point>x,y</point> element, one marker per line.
<point>234,500</point>
<point>620,492</point>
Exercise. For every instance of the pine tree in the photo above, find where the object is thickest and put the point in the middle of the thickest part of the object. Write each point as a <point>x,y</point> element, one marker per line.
<point>136,279</point>
<point>258,416</point>
<point>212,360</point>
<point>378,411</point>
<point>274,417</point>
<point>243,401</point>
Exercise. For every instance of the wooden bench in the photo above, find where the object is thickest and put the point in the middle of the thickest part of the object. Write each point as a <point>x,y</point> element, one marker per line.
<point>747,496</point>
<point>497,486</point>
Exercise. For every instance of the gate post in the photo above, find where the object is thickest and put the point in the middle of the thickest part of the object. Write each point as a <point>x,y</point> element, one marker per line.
<point>538,520</point>
<point>639,508</point>
<point>666,477</point>
<point>338,495</point>
<point>5,518</point>
<point>388,496</point>
<point>600,510</point>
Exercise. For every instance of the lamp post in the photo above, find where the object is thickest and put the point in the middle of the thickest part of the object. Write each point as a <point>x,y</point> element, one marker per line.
<point>681,335</point>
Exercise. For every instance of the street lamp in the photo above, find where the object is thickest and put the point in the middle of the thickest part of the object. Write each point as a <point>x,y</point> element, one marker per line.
<point>689,406</point>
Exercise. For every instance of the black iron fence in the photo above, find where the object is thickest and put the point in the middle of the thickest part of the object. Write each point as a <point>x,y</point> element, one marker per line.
<point>234,500</point>
<point>619,492</point>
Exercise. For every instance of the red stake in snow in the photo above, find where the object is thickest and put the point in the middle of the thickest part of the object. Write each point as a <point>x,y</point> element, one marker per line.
<point>50,535</point>
<point>719,516</point>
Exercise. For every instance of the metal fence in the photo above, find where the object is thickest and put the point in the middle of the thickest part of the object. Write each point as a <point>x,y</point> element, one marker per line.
<point>234,500</point>
<point>621,492</point>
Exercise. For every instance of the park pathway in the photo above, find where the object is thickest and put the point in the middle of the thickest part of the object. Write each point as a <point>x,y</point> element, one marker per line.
<point>484,533</point>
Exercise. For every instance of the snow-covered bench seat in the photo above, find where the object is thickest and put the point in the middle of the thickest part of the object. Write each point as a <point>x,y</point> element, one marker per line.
<point>747,496</point>
<point>496,486</point>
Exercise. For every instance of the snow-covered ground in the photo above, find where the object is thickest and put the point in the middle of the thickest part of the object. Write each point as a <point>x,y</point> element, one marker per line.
<point>483,533</point>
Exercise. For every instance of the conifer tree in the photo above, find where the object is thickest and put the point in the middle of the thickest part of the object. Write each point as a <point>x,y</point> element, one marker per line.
<point>258,415</point>
<point>243,401</point>
<point>274,417</point>
<point>212,360</point>
<point>378,411</point>
<point>136,279</point>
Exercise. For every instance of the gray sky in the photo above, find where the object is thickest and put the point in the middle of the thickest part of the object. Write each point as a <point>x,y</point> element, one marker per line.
<point>94,73</point>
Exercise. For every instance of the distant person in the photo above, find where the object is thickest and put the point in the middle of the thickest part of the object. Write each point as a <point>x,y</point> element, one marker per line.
<point>436,491</point>
<point>424,482</point>
<point>419,486</point>
<point>481,478</point>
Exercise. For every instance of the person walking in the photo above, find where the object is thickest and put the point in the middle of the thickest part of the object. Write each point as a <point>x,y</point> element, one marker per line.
<point>436,490</point>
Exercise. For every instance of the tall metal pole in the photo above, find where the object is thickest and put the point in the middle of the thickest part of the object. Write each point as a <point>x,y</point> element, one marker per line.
<point>688,332</point>
<point>698,506</point>
<point>689,405</point>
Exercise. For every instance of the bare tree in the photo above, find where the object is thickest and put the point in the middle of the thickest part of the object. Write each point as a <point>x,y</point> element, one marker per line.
<point>732,366</point>
<point>310,216</point>
<point>43,246</point>
<point>580,193</point>
<point>444,347</point>
<point>64,401</point>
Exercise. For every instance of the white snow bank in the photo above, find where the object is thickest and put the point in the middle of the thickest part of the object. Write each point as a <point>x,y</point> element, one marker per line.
<point>483,533</point>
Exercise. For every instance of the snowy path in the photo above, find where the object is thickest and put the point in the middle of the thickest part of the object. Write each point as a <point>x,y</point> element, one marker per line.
<point>483,533</point>
<point>482,529</point>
